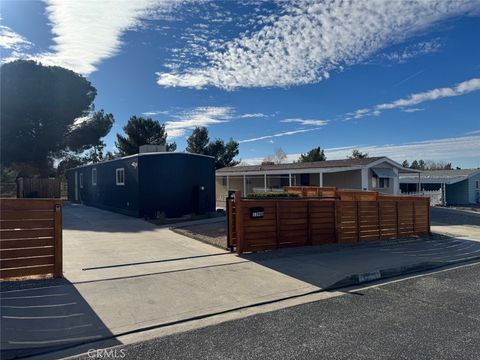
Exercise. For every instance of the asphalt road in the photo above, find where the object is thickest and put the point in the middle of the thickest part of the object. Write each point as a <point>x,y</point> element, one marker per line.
<point>453,217</point>
<point>436,316</point>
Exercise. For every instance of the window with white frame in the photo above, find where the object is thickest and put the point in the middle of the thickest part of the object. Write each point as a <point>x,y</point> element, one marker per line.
<point>120,176</point>
<point>81,180</point>
<point>94,176</point>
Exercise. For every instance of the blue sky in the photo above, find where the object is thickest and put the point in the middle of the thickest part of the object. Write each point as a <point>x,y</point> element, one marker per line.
<point>393,78</point>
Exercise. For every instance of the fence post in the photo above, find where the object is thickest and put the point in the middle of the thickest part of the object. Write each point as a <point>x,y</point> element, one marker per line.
<point>277,224</point>
<point>20,188</point>
<point>335,220</point>
<point>239,222</point>
<point>398,225</point>
<point>58,269</point>
<point>309,224</point>
<point>358,219</point>
<point>414,218</point>
<point>428,216</point>
<point>379,217</point>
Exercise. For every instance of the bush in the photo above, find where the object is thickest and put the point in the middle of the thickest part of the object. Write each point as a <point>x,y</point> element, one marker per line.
<point>272,195</point>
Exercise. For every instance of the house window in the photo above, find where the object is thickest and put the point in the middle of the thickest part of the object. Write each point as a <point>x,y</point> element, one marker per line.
<point>120,176</point>
<point>477,184</point>
<point>81,180</point>
<point>383,183</point>
<point>94,176</point>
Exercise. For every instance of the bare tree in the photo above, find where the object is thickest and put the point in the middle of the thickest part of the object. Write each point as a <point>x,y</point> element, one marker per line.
<point>279,157</point>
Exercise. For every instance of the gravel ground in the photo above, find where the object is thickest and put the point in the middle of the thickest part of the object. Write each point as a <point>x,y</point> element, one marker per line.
<point>212,233</point>
<point>216,233</point>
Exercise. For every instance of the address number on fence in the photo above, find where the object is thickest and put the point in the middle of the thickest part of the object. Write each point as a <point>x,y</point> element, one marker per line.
<point>257,213</point>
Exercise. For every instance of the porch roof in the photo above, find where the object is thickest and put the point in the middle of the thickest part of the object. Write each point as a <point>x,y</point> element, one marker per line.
<point>439,176</point>
<point>341,165</point>
<point>310,167</point>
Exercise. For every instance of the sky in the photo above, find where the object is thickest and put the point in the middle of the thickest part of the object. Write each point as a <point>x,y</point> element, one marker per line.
<point>391,78</point>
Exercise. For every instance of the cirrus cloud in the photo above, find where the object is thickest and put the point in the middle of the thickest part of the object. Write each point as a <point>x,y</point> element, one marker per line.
<point>308,39</point>
<point>312,122</point>
<point>463,88</point>
<point>11,40</point>
<point>84,35</point>
<point>200,116</point>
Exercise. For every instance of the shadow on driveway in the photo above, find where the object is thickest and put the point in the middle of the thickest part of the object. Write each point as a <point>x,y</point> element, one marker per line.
<point>41,316</point>
<point>327,265</point>
<point>88,218</point>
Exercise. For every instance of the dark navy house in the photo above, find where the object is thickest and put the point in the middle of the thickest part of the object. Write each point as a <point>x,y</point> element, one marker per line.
<point>147,184</point>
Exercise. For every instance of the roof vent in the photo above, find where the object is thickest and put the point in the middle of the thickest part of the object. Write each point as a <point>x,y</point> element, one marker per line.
<point>152,148</point>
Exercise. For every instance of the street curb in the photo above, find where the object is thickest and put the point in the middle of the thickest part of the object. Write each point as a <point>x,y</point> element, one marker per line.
<point>352,280</point>
<point>372,276</point>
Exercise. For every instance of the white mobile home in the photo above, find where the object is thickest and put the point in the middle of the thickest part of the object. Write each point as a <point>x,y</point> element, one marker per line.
<point>375,173</point>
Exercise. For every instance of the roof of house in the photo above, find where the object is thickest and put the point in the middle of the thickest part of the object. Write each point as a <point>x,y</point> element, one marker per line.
<point>440,176</point>
<point>307,165</point>
<point>169,153</point>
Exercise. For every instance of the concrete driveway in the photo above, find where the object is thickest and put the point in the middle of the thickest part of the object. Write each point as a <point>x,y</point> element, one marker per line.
<point>453,222</point>
<point>123,275</point>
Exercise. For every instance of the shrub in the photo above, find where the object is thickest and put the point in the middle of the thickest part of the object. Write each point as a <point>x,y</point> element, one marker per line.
<point>272,195</point>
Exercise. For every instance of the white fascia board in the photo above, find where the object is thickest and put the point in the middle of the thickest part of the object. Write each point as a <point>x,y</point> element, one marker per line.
<point>291,171</point>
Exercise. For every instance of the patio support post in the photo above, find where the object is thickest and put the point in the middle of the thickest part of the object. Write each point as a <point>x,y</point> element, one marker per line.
<point>244,185</point>
<point>396,182</point>
<point>265,182</point>
<point>444,194</point>
<point>364,179</point>
<point>320,179</point>
<point>289,179</point>
<point>228,183</point>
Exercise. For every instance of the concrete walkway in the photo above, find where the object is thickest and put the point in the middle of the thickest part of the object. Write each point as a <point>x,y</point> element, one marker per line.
<point>123,274</point>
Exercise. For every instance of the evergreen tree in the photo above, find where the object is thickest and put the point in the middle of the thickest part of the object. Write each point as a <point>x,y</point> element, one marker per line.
<point>142,131</point>
<point>316,154</point>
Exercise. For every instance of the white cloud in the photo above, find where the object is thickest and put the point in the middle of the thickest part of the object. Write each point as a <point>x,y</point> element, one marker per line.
<point>404,104</point>
<point>448,149</point>
<point>474,132</point>
<point>201,116</point>
<point>440,149</point>
<point>286,133</point>
<point>411,51</point>
<point>411,110</point>
<point>464,87</point>
<point>156,112</point>
<point>87,32</point>
<point>254,115</point>
<point>308,39</point>
<point>10,40</point>
<point>313,122</point>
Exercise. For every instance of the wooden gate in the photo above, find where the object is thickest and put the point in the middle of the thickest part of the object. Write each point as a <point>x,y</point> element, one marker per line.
<point>38,188</point>
<point>30,237</point>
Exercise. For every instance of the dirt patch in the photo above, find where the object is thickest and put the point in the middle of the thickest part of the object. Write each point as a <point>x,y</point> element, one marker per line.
<point>213,233</point>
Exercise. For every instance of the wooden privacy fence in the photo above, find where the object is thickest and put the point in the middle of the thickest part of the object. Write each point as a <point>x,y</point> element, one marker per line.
<point>30,237</point>
<point>38,188</point>
<point>333,192</point>
<point>265,224</point>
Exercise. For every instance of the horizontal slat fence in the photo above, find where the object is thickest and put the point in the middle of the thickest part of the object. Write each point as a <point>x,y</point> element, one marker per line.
<point>38,188</point>
<point>30,238</point>
<point>311,221</point>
